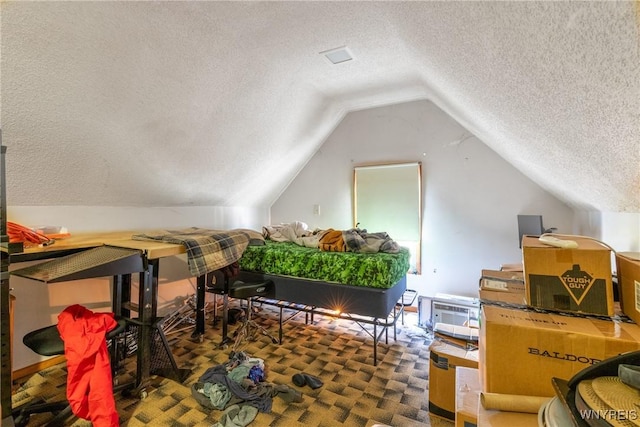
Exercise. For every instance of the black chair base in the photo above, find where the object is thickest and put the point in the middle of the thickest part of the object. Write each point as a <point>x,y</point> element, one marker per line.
<point>61,413</point>
<point>47,342</point>
<point>249,328</point>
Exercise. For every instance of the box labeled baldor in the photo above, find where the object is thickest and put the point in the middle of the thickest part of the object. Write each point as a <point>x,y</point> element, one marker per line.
<point>522,349</point>
<point>576,279</point>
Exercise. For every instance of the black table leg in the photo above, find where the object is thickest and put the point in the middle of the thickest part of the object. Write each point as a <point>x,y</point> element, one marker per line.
<point>154,355</point>
<point>5,348</point>
<point>121,295</point>
<point>198,331</point>
<point>146,317</point>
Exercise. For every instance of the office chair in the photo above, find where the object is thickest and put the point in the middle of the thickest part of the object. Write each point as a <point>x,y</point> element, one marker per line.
<point>249,328</point>
<point>47,342</point>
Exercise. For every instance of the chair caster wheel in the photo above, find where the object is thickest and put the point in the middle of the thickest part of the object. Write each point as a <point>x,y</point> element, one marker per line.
<point>21,421</point>
<point>143,394</point>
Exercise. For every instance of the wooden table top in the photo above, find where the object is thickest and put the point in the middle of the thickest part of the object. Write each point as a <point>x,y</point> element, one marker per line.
<point>122,239</point>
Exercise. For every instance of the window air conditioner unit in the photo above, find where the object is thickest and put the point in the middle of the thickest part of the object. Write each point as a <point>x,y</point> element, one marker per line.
<point>453,314</point>
<point>449,309</point>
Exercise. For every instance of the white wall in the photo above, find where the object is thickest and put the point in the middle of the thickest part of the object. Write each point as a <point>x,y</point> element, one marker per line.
<point>620,230</point>
<point>471,195</point>
<point>81,219</point>
<point>39,304</point>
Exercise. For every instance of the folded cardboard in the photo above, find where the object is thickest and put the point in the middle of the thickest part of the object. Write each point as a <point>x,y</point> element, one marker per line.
<point>464,333</point>
<point>467,396</point>
<point>628,272</point>
<point>512,267</point>
<point>444,359</point>
<point>503,298</point>
<point>521,349</point>
<point>502,287</point>
<point>491,418</point>
<point>577,279</point>
<point>505,281</point>
<point>457,342</point>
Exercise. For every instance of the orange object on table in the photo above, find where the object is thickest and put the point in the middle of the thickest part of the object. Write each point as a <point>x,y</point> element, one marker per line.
<point>20,233</point>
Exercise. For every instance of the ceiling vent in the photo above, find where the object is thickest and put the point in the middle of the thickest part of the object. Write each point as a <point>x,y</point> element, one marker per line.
<point>338,55</point>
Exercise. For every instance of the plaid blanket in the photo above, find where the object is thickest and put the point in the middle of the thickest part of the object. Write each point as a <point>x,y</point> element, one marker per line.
<point>207,250</point>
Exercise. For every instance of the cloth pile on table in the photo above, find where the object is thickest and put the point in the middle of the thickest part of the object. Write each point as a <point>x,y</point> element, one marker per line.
<point>239,387</point>
<point>352,240</point>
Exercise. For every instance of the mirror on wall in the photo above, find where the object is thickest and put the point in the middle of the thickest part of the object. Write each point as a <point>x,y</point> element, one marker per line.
<point>388,197</point>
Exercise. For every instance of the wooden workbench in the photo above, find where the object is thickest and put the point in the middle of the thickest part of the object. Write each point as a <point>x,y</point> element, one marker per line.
<point>142,258</point>
<point>152,249</point>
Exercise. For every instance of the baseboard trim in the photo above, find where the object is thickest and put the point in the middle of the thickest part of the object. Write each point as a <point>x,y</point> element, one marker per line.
<point>37,367</point>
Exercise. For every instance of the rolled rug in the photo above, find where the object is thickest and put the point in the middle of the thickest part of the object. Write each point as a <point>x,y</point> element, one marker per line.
<point>623,399</point>
<point>610,401</point>
<point>608,367</point>
<point>513,402</point>
<point>584,408</point>
<point>555,414</point>
<point>630,375</point>
<point>541,411</point>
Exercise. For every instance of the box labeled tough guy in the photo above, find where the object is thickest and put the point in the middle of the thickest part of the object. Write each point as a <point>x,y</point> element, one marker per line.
<point>522,349</point>
<point>568,279</point>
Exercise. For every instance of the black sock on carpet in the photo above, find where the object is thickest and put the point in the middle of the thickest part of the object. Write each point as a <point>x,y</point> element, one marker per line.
<point>305,379</point>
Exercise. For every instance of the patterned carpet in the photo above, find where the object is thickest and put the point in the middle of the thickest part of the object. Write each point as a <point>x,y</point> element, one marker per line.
<point>339,352</point>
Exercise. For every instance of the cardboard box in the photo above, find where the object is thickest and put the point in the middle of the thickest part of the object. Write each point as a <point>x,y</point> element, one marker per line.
<point>628,271</point>
<point>491,418</point>
<point>445,358</point>
<point>502,288</point>
<point>467,397</point>
<point>521,350</point>
<point>517,299</point>
<point>495,418</point>
<point>457,342</point>
<point>512,267</point>
<point>504,281</point>
<point>568,279</point>
<point>460,333</point>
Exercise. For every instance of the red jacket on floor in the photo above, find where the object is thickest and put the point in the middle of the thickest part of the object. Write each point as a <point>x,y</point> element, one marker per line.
<point>89,382</point>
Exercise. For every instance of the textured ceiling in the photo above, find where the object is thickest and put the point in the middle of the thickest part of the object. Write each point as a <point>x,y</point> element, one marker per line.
<point>222,103</point>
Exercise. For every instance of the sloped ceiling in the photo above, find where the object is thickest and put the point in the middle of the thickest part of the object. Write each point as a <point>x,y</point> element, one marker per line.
<point>222,103</point>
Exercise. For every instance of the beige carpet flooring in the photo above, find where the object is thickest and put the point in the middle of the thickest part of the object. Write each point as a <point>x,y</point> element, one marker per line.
<point>339,352</point>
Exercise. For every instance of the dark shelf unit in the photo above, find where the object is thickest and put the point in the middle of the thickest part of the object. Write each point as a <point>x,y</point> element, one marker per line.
<point>5,327</point>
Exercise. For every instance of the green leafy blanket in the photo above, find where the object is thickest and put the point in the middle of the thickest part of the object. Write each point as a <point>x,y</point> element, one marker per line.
<point>379,270</point>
